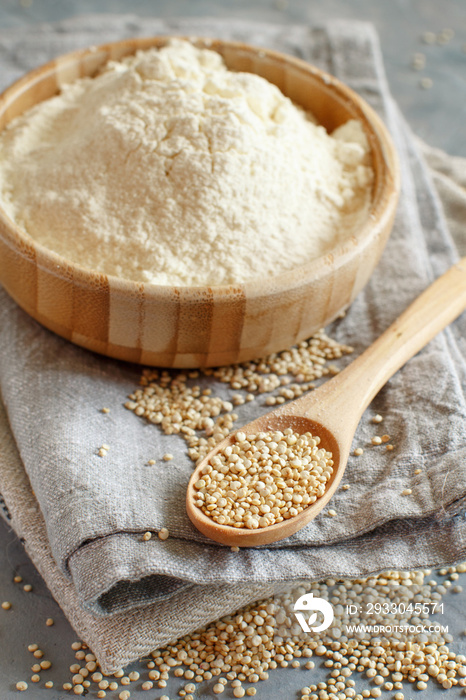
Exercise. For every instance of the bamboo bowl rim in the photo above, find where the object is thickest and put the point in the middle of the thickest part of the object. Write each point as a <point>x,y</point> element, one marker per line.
<point>384,189</point>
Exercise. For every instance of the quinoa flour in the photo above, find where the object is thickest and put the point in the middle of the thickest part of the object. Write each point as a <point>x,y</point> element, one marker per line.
<point>169,168</point>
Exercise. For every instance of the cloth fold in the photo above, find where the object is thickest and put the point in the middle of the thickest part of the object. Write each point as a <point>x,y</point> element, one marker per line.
<point>90,512</point>
<point>123,637</point>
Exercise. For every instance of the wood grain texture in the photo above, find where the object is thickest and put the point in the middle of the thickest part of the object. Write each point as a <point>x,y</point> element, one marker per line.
<point>333,410</point>
<point>195,326</point>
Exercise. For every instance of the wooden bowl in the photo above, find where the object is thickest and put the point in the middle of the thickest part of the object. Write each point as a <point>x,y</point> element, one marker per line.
<point>200,326</point>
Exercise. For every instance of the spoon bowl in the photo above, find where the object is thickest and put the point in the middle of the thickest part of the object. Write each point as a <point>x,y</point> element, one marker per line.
<point>332,412</point>
<point>280,419</point>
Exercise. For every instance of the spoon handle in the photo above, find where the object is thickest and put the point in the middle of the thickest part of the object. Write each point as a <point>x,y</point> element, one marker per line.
<point>433,310</point>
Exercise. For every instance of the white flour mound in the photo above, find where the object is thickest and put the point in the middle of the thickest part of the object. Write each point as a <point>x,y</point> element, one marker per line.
<point>169,168</point>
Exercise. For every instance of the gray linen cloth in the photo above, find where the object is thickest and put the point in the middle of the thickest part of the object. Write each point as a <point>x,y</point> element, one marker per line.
<point>94,510</point>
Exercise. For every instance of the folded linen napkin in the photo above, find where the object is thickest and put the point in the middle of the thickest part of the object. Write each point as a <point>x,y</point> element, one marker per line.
<point>118,639</point>
<point>95,510</point>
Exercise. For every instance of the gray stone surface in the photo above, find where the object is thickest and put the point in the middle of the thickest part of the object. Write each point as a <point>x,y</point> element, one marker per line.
<point>24,624</point>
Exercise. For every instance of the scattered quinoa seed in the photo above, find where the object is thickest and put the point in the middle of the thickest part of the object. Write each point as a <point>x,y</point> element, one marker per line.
<point>49,622</point>
<point>376,440</point>
<point>388,663</point>
<point>377,418</point>
<point>105,410</point>
<point>35,678</point>
<point>167,457</point>
<point>426,83</point>
<point>17,579</point>
<point>27,588</point>
<point>385,438</point>
<point>406,492</point>
<point>163,534</point>
<point>6,605</point>
<point>147,536</point>
<point>21,685</point>
<point>389,447</point>
<point>429,38</point>
<point>418,61</point>
<point>358,451</point>
<point>445,36</point>
<point>167,399</point>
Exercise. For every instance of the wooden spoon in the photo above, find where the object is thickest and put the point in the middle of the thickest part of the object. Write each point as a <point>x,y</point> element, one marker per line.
<point>334,409</point>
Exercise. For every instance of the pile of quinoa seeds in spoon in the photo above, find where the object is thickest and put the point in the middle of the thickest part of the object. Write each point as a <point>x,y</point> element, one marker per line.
<point>263,479</point>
